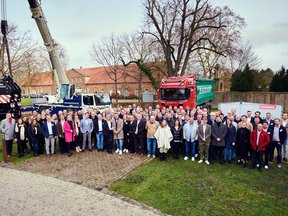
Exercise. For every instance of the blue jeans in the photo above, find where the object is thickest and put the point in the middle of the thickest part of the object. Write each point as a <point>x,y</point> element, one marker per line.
<point>100,142</point>
<point>151,142</point>
<point>228,150</point>
<point>285,146</point>
<point>189,148</point>
<point>35,147</point>
<point>119,144</point>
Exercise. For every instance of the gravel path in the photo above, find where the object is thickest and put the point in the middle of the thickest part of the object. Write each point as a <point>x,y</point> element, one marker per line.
<point>23,193</point>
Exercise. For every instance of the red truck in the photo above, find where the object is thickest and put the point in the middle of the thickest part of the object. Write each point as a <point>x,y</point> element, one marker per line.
<point>185,91</point>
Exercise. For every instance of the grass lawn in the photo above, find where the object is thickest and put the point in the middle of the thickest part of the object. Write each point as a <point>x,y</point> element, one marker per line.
<point>188,188</point>
<point>26,101</point>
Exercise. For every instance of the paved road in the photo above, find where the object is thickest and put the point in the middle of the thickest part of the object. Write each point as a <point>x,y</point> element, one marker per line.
<point>23,193</point>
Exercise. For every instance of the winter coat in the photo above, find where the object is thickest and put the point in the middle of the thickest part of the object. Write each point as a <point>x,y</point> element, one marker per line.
<point>118,131</point>
<point>219,131</point>
<point>242,142</point>
<point>70,133</point>
<point>18,131</point>
<point>230,136</point>
<point>207,135</point>
<point>177,133</point>
<point>8,129</point>
<point>164,137</point>
<point>35,132</point>
<point>264,140</point>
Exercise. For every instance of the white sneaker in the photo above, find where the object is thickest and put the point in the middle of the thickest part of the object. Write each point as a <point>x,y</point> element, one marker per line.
<point>200,161</point>
<point>257,165</point>
<point>207,162</point>
<point>148,155</point>
<point>77,149</point>
<point>279,165</point>
<point>266,167</point>
<point>120,152</point>
<point>127,151</point>
<point>192,159</point>
<point>185,158</point>
<point>196,155</point>
<point>153,156</point>
<point>117,151</point>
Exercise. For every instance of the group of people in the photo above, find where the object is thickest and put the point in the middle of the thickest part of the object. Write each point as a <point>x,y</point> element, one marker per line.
<point>196,133</point>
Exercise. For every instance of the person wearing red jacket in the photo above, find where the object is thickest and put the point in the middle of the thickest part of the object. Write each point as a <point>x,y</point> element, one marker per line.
<point>259,139</point>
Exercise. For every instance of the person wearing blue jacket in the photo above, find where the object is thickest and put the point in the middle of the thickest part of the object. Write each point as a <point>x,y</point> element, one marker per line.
<point>49,132</point>
<point>230,140</point>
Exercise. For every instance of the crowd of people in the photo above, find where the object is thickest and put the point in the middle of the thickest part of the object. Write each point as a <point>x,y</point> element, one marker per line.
<point>196,134</point>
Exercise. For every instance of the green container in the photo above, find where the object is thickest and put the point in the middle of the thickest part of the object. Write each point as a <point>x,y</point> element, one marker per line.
<point>204,90</point>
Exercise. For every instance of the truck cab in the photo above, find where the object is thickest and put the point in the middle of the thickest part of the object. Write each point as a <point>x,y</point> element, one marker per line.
<point>99,100</point>
<point>185,91</point>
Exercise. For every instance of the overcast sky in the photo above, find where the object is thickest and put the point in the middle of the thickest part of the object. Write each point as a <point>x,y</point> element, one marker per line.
<point>77,24</point>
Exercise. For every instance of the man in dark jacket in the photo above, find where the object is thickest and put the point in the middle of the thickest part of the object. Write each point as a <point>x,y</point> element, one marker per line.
<point>219,131</point>
<point>139,126</point>
<point>269,146</point>
<point>49,132</point>
<point>279,135</point>
<point>99,127</point>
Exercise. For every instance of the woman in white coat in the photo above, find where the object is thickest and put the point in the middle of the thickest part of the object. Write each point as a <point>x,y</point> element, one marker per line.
<point>164,137</point>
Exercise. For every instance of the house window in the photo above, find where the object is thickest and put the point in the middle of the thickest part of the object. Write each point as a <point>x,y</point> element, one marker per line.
<point>136,92</point>
<point>126,93</point>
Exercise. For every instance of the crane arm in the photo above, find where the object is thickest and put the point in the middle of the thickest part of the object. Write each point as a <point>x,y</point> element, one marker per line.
<point>41,22</point>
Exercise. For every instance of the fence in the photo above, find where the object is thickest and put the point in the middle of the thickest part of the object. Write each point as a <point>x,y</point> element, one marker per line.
<point>279,98</point>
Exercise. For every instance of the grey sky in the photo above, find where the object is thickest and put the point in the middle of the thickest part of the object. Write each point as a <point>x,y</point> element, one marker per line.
<point>77,24</point>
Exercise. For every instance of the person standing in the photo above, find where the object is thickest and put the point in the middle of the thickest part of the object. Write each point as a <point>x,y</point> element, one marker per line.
<point>151,126</point>
<point>259,139</point>
<point>78,134</point>
<point>139,126</point>
<point>108,134</point>
<point>126,128</point>
<point>229,140</point>
<point>21,133</point>
<point>284,123</point>
<point>164,137</point>
<point>278,139</point>
<point>268,147</point>
<point>177,132</point>
<point>70,133</point>
<point>242,144</point>
<point>8,131</point>
<point>99,129</point>
<point>204,139</point>
<point>117,124</point>
<point>35,135</point>
<point>190,136</point>
<point>86,128</point>
<point>61,135</point>
<point>49,132</point>
<point>219,131</point>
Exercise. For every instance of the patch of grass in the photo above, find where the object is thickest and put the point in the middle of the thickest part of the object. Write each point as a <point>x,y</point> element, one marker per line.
<point>188,188</point>
<point>26,102</point>
<point>13,159</point>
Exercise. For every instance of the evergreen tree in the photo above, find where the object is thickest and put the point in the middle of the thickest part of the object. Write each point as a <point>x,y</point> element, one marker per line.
<point>280,81</point>
<point>243,81</point>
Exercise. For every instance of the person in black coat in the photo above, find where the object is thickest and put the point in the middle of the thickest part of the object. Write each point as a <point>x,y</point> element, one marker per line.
<point>177,132</point>
<point>139,126</point>
<point>131,138</point>
<point>34,131</point>
<point>126,128</point>
<point>269,146</point>
<point>229,140</point>
<point>242,144</point>
<point>279,135</point>
<point>21,134</point>
<point>108,134</point>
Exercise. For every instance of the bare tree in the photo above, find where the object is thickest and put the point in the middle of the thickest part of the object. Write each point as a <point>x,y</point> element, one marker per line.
<point>108,54</point>
<point>227,40</point>
<point>180,26</point>
<point>140,50</point>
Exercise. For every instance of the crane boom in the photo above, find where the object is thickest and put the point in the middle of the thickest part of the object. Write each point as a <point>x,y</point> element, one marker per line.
<point>60,75</point>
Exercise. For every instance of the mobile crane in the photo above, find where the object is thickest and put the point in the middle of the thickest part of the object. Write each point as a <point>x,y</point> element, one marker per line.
<point>66,98</point>
<point>10,92</point>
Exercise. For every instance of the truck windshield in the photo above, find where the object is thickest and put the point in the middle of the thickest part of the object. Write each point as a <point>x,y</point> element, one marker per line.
<point>102,99</point>
<point>174,94</point>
